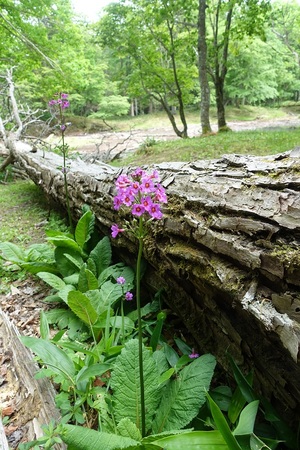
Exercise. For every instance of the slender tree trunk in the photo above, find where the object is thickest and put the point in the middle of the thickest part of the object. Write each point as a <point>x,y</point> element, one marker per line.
<point>219,91</point>
<point>202,67</point>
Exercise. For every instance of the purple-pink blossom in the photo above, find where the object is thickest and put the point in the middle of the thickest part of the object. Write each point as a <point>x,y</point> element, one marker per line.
<point>121,280</point>
<point>142,192</point>
<point>138,209</point>
<point>128,296</point>
<point>115,230</point>
<point>194,355</point>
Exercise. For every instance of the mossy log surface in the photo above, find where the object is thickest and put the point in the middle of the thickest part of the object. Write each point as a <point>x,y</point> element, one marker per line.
<point>226,252</point>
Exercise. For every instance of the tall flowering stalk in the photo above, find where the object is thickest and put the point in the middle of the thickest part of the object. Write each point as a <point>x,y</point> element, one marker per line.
<point>57,106</point>
<point>143,195</point>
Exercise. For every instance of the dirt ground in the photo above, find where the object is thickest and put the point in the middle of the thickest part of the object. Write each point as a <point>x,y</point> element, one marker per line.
<point>122,143</point>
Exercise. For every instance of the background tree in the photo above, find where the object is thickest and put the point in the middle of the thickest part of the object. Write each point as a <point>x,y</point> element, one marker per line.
<point>159,49</point>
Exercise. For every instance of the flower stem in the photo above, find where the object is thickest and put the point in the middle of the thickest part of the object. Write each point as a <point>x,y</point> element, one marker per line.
<point>140,331</point>
<point>66,182</point>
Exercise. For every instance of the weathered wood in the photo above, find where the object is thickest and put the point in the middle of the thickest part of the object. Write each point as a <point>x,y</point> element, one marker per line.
<point>226,252</point>
<point>31,400</point>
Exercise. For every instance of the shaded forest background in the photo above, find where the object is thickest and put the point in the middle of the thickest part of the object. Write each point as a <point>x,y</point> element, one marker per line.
<point>141,57</point>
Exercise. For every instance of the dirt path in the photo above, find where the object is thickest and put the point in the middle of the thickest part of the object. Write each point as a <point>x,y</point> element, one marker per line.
<point>114,143</point>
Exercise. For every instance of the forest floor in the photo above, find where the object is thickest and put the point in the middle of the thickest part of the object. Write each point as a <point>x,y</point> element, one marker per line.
<point>122,143</point>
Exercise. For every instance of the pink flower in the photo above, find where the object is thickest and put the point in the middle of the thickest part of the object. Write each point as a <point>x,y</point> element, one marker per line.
<point>121,280</point>
<point>115,230</point>
<point>138,210</point>
<point>147,203</point>
<point>128,296</point>
<point>193,355</point>
<point>155,211</point>
<point>117,202</point>
<point>147,186</point>
<point>127,199</point>
<point>123,182</point>
<point>160,194</point>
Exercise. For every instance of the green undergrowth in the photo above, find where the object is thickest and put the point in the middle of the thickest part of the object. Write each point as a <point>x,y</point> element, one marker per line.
<point>259,143</point>
<point>24,218</point>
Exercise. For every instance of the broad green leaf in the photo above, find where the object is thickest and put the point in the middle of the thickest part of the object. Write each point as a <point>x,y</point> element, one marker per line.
<point>125,383</point>
<point>101,255</point>
<point>96,370</point>
<point>222,395</point>
<point>222,425</point>
<point>116,322</point>
<point>44,326</point>
<point>80,304</point>
<point>244,385</point>
<point>115,271</point>
<point>194,440</point>
<point>183,396</point>
<point>11,252</point>
<point>68,260</point>
<point>110,292</point>
<point>247,419</point>
<point>87,280</point>
<point>64,293</point>
<point>53,280</point>
<point>72,279</point>
<point>51,355</point>
<point>171,355</point>
<point>38,266</point>
<point>80,438</point>
<point>127,428</point>
<point>82,230</point>
<point>166,375</point>
<point>65,241</point>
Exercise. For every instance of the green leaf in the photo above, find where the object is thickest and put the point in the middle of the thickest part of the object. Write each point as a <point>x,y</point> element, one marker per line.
<point>127,428</point>
<point>183,396</point>
<point>68,260</point>
<point>238,401</point>
<point>96,370</point>
<point>65,241</point>
<point>110,292</point>
<point>64,293</point>
<point>194,440</point>
<point>11,252</point>
<point>87,280</point>
<point>115,271</point>
<point>222,425</point>
<point>82,230</point>
<point>222,395</point>
<point>80,438</point>
<point>171,355</point>
<point>125,383</point>
<point>51,355</point>
<point>247,419</point>
<point>166,375</point>
<point>44,326</point>
<point>80,304</point>
<point>38,266</point>
<point>157,331</point>
<point>101,255</point>
<point>53,280</point>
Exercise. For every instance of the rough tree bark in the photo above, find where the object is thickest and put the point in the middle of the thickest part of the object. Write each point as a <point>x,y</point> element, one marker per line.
<point>227,254</point>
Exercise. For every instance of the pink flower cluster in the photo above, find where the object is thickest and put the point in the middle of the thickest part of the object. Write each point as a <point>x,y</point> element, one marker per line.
<point>61,101</point>
<point>142,193</point>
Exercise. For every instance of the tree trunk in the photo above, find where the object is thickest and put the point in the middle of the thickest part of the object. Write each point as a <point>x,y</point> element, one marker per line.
<point>219,91</point>
<point>226,254</point>
<point>202,65</point>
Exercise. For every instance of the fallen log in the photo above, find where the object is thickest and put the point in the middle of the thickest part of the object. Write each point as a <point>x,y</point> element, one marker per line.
<point>29,401</point>
<point>226,253</point>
